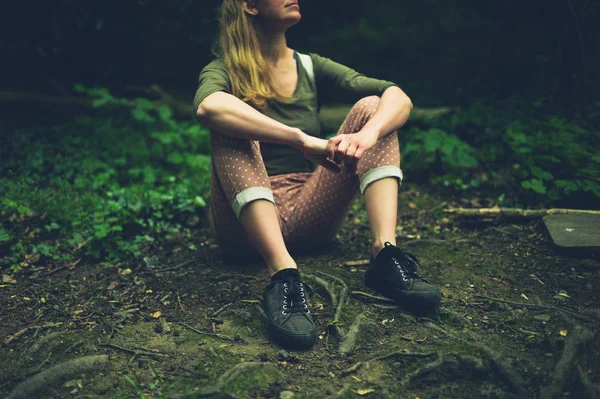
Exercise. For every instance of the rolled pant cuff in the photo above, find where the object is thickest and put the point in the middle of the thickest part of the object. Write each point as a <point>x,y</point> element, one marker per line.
<point>380,173</point>
<point>248,195</point>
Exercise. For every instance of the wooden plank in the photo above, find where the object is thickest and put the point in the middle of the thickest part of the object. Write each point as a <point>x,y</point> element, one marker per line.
<point>574,231</point>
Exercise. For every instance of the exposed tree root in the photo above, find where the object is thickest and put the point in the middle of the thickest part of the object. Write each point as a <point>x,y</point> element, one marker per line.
<point>51,376</point>
<point>574,345</point>
<point>502,368</point>
<point>326,286</point>
<point>225,379</point>
<point>451,364</point>
<point>342,297</point>
<point>349,340</point>
<point>590,390</point>
<point>47,340</point>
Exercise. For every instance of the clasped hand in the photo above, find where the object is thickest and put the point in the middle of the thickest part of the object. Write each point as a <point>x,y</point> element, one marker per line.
<point>343,148</point>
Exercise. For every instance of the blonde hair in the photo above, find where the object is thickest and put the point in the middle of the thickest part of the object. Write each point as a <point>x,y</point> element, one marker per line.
<point>239,48</point>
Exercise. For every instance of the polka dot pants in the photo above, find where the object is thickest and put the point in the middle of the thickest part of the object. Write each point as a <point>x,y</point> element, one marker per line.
<point>311,206</point>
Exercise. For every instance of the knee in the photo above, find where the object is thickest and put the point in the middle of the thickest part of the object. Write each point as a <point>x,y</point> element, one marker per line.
<point>366,105</point>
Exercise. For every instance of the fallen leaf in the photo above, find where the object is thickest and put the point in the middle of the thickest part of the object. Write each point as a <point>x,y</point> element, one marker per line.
<point>156,314</point>
<point>77,312</point>
<point>363,392</point>
<point>562,333</point>
<point>125,272</point>
<point>411,205</point>
<point>112,285</point>
<point>8,279</point>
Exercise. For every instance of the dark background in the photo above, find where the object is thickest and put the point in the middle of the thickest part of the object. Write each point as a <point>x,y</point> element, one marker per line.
<point>441,53</point>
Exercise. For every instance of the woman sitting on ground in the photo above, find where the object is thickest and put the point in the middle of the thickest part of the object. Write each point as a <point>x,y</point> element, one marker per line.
<point>261,100</point>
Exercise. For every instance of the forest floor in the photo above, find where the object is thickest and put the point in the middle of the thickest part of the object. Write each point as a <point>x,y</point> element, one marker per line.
<point>517,319</point>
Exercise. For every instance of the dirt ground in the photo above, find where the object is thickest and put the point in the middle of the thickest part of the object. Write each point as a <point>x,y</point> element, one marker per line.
<point>517,320</point>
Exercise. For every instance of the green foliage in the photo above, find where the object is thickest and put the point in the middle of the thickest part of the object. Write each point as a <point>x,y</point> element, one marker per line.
<point>544,157</point>
<point>101,187</point>
<point>559,157</point>
<point>431,145</point>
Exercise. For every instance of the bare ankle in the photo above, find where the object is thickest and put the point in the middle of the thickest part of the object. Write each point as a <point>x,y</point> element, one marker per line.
<point>276,265</point>
<point>378,245</point>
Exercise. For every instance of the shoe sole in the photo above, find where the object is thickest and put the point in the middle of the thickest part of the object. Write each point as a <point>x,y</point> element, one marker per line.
<point>289,339</point>
<point>420,301</point>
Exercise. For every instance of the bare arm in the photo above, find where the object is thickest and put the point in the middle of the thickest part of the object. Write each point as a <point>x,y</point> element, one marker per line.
<point>231,116</point>
<point>392,113</point>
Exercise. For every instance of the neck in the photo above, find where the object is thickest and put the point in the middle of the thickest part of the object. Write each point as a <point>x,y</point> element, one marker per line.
<point>273,45</point>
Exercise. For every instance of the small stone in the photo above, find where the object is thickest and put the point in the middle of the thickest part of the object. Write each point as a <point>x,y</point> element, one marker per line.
<point>542,317</point>
<point>286,395</point>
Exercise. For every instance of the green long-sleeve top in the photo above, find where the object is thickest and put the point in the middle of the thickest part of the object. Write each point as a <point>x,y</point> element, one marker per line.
<point>333,82</point>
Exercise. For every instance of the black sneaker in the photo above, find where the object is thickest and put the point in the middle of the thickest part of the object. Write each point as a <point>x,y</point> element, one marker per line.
<point>393,273</point>
<point>288,317</point>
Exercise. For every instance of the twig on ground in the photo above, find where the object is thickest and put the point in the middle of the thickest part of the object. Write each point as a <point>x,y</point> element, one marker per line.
<point>11,338</point>
<point>170,269</point>
<point>387,307</point>
<point>358,262</point>
<point>222,308</point>
<point>532,305</point>
<point>51,272</point>
<point>379,298</point>
<point>49,377</point>
<point>251,301</point>
<point>135,352</point>
<point>70,348</point>
<point>220,336</point>
<point>351,369</point>
<point>404,353</point>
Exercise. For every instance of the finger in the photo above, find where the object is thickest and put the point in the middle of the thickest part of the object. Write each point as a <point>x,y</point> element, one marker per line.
<point>341,150</point>
<point>331,145</point>
<point>357,156</point>
<point>351,157</point>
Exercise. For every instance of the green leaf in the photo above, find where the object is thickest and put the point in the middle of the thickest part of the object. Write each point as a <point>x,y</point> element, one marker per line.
<point>144,103</point>
<point>541,174</point>
<point>199,202</point>
<point>4,235</point>
<point>99,102</point>
<point>79,88</point>
<point>175,158</point>
<point>165,113</point>
<point>535,185</point>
